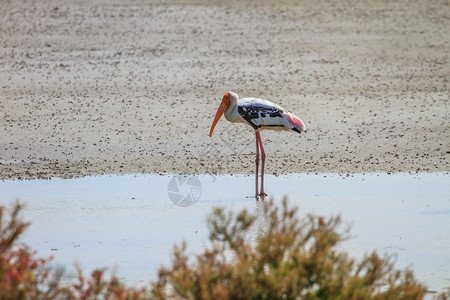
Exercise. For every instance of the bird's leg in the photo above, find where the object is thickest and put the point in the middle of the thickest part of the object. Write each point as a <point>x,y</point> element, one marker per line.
<point>257,165</point>
<point>263,158</point>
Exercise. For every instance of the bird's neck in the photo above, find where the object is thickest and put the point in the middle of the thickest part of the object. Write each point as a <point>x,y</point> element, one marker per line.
<point>231,114</point>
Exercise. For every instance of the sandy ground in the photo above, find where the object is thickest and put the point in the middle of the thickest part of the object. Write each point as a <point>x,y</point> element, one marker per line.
<point>109,86</point>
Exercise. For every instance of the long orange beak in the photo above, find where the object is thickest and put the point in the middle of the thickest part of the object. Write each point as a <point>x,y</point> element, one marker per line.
<point>220,111</point>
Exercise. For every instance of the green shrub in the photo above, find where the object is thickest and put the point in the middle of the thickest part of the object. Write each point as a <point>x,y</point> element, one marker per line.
<point>292,258</point>
<point>21,274</point>
<point>24,276</point>
<point>288,258</point>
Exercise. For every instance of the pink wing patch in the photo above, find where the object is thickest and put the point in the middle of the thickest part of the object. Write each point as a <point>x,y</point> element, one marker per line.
<point>296,122</point>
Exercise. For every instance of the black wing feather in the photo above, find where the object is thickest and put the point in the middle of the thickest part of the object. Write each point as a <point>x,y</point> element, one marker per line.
<point>250,112</point>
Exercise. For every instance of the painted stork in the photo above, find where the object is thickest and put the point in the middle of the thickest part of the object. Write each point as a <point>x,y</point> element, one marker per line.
<point>260,114</point>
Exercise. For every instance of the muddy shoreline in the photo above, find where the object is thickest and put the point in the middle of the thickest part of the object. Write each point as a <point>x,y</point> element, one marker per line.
<point>119,87</point>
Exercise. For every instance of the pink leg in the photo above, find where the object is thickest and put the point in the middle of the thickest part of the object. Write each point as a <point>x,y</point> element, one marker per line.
<point>263,158</point>
<point>257,166</point>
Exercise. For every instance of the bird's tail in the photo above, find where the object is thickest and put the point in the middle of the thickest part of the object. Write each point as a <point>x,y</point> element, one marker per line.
<point>296,123</point>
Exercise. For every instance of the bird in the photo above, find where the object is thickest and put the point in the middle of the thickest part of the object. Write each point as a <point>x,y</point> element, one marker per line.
<point>259,114</point>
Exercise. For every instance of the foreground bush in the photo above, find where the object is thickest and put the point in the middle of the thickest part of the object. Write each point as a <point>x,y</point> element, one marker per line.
<point>288,258</point>
<point>24,276</point>
<point>21,274</point>
<point>291,259</point>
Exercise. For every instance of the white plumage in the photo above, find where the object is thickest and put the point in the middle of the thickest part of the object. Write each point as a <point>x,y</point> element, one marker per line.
<point>260,114</point>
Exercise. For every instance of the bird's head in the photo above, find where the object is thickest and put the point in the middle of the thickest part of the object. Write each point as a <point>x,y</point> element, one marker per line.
<point>226,102</point>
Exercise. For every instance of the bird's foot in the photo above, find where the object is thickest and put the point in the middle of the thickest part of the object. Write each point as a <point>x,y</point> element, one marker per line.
<point>262,195</point>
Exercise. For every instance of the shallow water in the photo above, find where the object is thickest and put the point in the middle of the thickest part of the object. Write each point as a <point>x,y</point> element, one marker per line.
<point>132,223</point>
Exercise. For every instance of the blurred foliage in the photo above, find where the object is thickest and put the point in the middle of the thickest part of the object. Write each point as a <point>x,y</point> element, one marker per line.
<point>24,276</point>
<point>21,274</point>
<point>292,258</point>
<point>270,254</point>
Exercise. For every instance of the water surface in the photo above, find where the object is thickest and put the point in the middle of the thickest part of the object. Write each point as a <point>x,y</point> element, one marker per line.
<point>130,221</point>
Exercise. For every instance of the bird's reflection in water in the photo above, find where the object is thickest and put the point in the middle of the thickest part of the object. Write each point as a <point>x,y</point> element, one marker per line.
<point>262,221</point>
